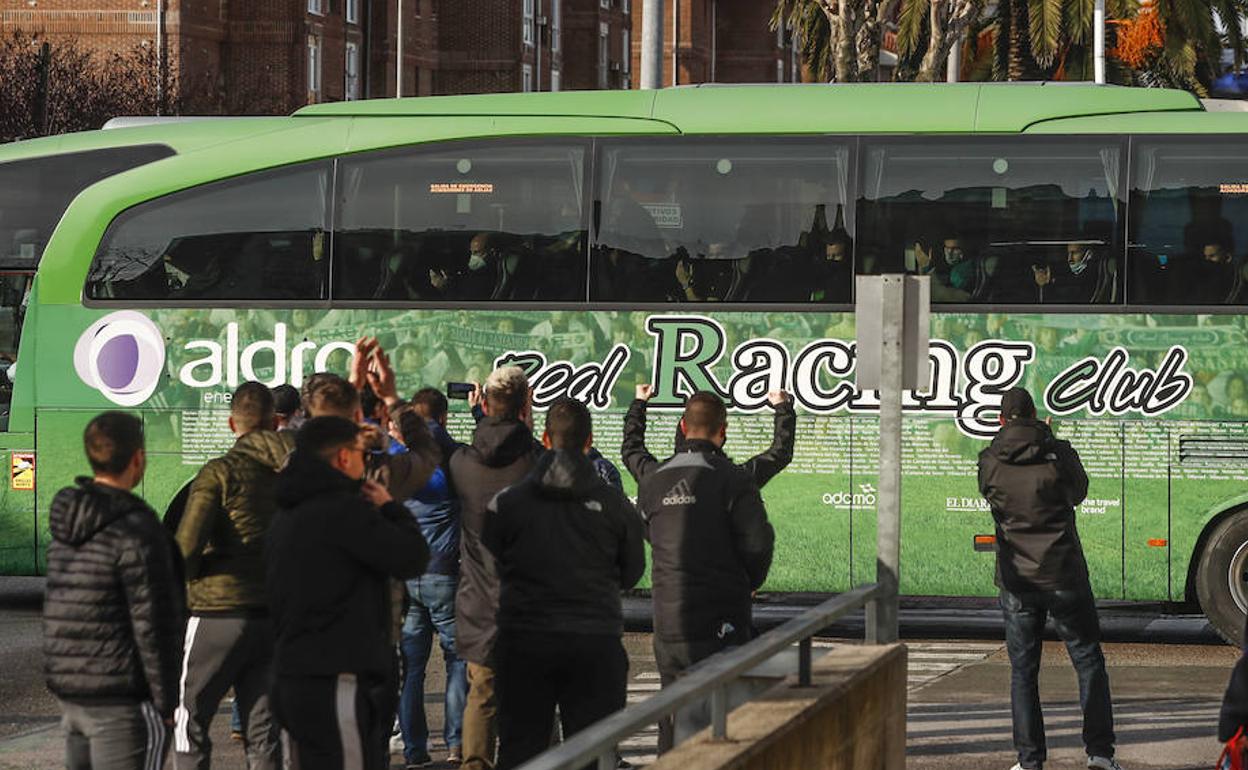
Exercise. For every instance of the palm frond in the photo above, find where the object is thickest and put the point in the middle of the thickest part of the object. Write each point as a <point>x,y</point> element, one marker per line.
<point>1044,21</point>
<point>1079,14</point>
<point>910,25</point>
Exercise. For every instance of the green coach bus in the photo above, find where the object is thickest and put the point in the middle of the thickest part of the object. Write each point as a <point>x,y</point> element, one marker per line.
<point>1088,242</point>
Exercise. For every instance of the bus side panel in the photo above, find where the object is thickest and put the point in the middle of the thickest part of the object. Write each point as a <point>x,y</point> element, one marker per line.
<point>1099,517</point>
<point>173,456</point>
<point>1146,509</point>
<point>18,544</point>
<point>1207,474</point>
<point>61,459</point>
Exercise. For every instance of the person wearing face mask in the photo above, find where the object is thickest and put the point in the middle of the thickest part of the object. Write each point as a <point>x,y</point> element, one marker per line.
<point>1211,277</point>
<point>952,270</point>
<point>486,275</point>
<point>1082,278</point>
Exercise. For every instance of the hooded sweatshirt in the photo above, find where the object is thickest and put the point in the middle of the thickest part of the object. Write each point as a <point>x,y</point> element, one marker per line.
<point>566,543</point>
<point>502,452</point>
<point>436,508</point>
<point>227,516</point>
<point>114,610</point>
<point>1033,481</point>
<point>330,555</point>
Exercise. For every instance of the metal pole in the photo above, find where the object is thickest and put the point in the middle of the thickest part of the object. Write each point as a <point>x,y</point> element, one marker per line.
<point>953,65</point>
<point>537,54</point>
<point>1098,41</point>
<point>398,57</point>
<point>888,515</point>
<point>652,44</point>
<point>675,42</point>
<point>719,713</point>
<point>160,57</point>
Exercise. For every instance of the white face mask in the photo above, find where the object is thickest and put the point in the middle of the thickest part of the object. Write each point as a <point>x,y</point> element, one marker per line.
<point>476,260</point>
<point>1082,264</point>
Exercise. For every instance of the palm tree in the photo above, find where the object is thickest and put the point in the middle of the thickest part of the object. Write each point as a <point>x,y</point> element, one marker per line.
<point>839,38</point>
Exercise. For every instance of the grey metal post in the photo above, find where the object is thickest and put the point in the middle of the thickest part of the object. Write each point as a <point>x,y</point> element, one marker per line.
<point>398,54</point>
<point>1098,41</point>
<point>953,65</point>
<point>888,514</point>
<point>803,662</point>
<point>719,713</point>
<point>652,44</point>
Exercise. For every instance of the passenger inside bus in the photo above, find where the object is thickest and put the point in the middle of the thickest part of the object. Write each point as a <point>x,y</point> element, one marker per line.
<point>954,272</point>
<point>485,272</point>
<point>1082,275</point>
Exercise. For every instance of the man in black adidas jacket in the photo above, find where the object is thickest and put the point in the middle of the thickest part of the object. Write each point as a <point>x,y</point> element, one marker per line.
<point>711,543</point>
<point>566,543</point>
<point>332,548</point>
<point>1033,481</point>
<point>766,465</point>
<point>115,610</point>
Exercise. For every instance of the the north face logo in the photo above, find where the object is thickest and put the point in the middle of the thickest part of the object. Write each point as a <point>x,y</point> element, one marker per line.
<point>680,494</point>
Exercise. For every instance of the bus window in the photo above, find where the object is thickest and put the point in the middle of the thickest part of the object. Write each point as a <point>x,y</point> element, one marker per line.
<point>258,237</point>
<point>723,221</point>
<point>471,223</point>
<point>35,192</point>
<point>995,220</point>
<point>1189,222</point>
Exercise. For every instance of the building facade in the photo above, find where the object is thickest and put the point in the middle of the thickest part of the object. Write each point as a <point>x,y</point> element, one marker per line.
<point>273,56</point>
<point>719,41</point>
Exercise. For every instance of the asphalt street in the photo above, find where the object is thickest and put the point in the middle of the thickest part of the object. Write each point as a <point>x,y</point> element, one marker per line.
<point>1167,674</point>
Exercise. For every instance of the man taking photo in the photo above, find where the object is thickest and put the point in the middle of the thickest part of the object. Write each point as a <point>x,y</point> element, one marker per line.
<point>1033,481</point>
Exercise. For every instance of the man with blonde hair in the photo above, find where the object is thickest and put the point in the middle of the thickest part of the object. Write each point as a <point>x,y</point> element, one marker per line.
<point>501,453</point>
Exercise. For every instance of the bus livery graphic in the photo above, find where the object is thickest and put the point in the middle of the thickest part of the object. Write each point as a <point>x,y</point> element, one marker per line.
<point>122,355</point>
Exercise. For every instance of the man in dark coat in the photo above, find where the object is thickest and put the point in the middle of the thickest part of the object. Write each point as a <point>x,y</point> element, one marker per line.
<point>221,536</point>
<point>710,539</point>
<point>566,543</point>
<point>1032,482</point>
<point>334,545</point>
<point>115,609</point>
<point>502,452</point>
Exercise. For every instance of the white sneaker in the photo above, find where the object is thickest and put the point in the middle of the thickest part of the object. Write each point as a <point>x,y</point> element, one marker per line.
<point>1018,766</point>
<point>1103,763</point>
<point>396,744</point>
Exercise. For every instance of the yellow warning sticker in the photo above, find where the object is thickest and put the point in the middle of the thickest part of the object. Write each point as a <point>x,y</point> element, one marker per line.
<point>22,470</point>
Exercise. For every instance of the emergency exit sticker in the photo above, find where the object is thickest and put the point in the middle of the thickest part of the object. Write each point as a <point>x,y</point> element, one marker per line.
<point>22,470</point>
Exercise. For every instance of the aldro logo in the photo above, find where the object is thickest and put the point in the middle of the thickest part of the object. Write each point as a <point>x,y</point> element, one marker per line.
<point>680,494</point>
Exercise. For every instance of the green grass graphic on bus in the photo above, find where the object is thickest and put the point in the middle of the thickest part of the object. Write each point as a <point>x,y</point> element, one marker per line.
<point>1133,392</point>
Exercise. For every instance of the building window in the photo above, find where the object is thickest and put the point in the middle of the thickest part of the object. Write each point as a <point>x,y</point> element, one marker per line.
<point>603,35</point>
<point>529,26</point>
<point>314,64</point>
<point>353,11</point>
<point>556,80</point>
<point>526,78</point>
<point>556,24</point>
<point>353,71</point>
<point>626,51</point>
<point>317,7</point>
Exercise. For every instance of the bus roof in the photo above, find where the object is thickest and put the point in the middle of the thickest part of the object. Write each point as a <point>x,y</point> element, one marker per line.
<point>804,108</point>
<point>182,136</point>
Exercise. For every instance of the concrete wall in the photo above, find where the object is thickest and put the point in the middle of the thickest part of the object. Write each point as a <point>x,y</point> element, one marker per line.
<point>852,718</point>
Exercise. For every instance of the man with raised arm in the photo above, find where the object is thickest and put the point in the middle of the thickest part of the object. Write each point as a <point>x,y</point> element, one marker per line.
<point>710,540</point>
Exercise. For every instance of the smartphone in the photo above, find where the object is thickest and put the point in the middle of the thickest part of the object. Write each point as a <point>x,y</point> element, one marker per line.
<point>458,389</point>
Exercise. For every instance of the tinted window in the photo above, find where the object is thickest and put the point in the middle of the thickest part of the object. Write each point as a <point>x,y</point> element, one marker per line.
<point>1189,222</point>
<point>261,236</point>
<point>731,221</point>
<point>999,221</point>
<point>34,193</point>
<point>469,223</point>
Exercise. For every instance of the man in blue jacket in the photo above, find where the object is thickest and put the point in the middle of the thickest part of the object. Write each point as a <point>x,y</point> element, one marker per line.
<point>431,596</point>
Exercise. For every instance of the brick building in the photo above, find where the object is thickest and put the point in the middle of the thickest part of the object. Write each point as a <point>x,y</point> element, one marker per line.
<point>719,41</point>
<point>272,56</point>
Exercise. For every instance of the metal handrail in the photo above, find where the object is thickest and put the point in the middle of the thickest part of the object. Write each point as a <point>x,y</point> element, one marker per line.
<point>711,678</point>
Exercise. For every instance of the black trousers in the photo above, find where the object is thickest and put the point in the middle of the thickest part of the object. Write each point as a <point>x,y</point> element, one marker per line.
<point>673,658</point>
<point>1076,622</point>
<point>585,675</point>
<point>335,723</point>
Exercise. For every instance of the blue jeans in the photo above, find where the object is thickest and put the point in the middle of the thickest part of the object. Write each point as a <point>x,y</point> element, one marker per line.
<point>432,610</point>
<point>1076,622</point>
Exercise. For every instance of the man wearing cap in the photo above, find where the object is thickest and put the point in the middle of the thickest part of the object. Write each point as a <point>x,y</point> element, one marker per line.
<point>1033,482</point>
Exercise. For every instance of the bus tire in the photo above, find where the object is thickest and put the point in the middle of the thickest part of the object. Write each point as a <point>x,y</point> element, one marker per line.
<point>1222,577</point>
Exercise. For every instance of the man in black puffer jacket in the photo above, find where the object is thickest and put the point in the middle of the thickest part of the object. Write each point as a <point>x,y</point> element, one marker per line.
<point>502,452</point>
<point>710,539</point>
<point>1033,481</point>
<point>566,543</point>
<point>115,609</point>
<point>332,549</point>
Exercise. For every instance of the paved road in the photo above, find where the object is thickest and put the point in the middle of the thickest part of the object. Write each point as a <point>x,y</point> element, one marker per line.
<point>1166,694</point>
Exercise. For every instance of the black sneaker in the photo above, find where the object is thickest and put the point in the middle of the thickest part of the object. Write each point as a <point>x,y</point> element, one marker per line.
<point>424,761</point>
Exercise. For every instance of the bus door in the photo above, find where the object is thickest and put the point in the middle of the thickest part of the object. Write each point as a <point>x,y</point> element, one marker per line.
<point>19,542</point>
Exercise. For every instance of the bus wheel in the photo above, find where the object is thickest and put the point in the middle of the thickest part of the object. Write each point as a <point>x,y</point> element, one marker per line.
<point>1222,577</point>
